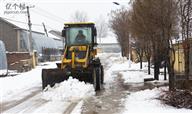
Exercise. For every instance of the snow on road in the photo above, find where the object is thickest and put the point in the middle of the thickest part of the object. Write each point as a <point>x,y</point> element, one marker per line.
<point>112,63</point>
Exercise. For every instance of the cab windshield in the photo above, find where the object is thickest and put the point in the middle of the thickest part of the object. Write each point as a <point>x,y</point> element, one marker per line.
<point>79,35</point>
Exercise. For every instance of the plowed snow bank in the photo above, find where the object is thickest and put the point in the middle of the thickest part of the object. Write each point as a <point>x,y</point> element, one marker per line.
<point>71,89</point>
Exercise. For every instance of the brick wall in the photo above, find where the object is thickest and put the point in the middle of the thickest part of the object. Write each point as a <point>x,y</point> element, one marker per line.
<point>20,61</point>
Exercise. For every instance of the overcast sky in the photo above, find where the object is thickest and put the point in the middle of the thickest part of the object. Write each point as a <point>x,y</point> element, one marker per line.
<point>55,12</point>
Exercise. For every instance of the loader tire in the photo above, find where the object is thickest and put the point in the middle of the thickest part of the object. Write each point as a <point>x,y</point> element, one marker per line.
<point>102,75</point>
<point>44,79</point>
<point>97,78</point>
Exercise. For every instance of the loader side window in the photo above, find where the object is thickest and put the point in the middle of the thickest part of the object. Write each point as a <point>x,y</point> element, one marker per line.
<point>79,35</point>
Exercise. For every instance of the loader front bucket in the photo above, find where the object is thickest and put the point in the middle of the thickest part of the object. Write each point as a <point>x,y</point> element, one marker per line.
<point>53,76</point>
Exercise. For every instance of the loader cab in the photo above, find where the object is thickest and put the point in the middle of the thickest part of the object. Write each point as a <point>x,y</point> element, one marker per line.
<point>76,34</point>
<point>80,43</point>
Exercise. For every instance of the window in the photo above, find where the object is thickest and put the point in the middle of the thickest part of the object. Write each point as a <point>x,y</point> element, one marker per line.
<point>79,35</point>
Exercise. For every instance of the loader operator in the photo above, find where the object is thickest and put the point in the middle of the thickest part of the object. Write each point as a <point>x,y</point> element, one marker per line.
<point>80,38</point>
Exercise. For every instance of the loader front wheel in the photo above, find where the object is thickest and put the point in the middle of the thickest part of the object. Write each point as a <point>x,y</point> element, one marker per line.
<point>102,75</point>
<point>97,78</point>
<point>44,79</point>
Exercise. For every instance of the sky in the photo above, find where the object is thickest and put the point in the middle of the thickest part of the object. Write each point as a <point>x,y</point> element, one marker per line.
<point>54,13</point>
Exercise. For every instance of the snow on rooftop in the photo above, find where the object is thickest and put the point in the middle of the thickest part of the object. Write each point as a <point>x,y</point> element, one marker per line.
<point>36,29</point>
<point>53,36</point>
<point>24,25</point>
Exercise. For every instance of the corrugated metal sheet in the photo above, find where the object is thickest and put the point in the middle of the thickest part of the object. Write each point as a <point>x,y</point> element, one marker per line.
<point>3,59</point>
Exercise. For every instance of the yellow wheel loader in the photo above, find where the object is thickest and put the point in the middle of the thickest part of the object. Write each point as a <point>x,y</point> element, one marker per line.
<point>79,58</point>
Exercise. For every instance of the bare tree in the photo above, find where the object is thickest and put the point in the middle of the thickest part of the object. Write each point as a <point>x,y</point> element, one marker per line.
<point>119,24</point>
<point>102,27</point>
<point>139,48</point>
<point>79,16</point>
<point>155,21</point>
<point>148,53</point>
<point>143,26</point>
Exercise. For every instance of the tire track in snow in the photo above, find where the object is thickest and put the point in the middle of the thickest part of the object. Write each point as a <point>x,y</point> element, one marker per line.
<point>70,108</point>
<point>27,106</point>
<point>13,103</point>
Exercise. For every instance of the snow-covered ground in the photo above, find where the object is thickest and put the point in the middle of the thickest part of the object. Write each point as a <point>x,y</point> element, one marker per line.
<point>146,102</point>
<point>23,93</point>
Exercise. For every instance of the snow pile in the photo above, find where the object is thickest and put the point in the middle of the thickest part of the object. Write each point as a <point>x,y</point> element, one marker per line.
<point>3,72</point>
<point>69,90</point>
<point>112,65</point>
<point>123,65</point>
<point>146,102</point>
<point>138,76</point>
<point>134,76</point>
<point>120,65</point>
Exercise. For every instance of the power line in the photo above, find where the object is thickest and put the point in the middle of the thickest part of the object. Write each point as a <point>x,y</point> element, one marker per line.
<point>40,25</point>
<point>19,21</point>
<point>48,16</point>
<point>51,14</point>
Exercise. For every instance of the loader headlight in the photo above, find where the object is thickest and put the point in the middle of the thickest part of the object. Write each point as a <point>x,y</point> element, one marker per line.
<point>68,73</point>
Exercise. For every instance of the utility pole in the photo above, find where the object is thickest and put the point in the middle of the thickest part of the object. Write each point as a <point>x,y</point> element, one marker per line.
<point>45,30</point>
<point>30,34</point>
<point>129,48</point>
